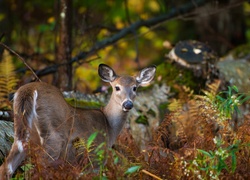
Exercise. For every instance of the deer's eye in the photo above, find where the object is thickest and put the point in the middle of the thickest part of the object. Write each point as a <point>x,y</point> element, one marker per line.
<point>134,88</point>
<point>117,88</point>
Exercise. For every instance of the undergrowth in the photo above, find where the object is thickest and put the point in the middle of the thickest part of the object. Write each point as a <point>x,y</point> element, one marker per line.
<point>208,139</point>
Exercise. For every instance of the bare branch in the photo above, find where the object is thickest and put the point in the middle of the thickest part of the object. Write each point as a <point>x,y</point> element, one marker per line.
<point>19,57</point>
<point>150,22</point>
<point>2,35</point>
<point>129,30</point>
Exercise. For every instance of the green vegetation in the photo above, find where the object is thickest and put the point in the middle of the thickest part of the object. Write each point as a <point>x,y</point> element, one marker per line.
<point>230,104</point>
<point>83,103</point>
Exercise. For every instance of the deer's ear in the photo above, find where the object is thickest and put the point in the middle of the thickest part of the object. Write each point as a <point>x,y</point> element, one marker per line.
<point>146,75</point>
<point>106,73</point>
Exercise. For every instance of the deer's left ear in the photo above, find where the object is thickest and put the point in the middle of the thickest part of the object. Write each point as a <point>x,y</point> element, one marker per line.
<point>146,75</point>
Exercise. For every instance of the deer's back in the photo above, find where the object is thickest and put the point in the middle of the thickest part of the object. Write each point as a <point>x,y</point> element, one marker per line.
<point>54,119</point>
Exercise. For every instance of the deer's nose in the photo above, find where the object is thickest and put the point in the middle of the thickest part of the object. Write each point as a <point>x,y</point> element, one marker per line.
<point>127,105</point>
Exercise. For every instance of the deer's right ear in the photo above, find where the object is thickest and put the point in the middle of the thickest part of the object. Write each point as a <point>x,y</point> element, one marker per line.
<point>106,73</point>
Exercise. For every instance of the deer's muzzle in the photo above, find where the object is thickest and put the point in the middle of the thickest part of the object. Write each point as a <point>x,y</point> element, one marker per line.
<point>127,105</point>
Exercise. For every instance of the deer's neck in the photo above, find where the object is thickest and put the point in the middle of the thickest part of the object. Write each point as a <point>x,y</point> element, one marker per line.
<point>116,118</point>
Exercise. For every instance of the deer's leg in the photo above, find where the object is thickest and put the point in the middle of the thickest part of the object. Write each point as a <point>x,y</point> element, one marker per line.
<point>15,157</point>
<point>53,144</point>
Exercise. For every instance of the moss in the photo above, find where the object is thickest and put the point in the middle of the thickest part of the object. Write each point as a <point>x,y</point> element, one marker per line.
<point>142,120</point>
<point>241,51</point>
<point>173,75</point>
<point>83,104</point>
<point>151,112</point>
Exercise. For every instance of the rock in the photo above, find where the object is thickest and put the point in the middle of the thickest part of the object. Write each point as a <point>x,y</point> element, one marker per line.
<point>146,106</point>
<point>236,72</point>
<point>6,137</point>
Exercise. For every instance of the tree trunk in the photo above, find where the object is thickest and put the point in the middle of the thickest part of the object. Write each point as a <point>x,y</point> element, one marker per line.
<point>63,76</point>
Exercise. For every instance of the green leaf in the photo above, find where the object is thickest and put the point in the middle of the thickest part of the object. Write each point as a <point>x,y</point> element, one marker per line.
<point>235,88</point>
<point>234,161</point>
<point>99,146</point>
<point>204,169</point>
<point>205,153</point>
<point>229,91</point>
<point>116,160</point>
<point>100,178</point>
<point>240,96</point>
<point>132,169</point>
<point>220,98</point>
<point>229,102</point>
<point>221,165</point>
<point>151,112</point>
<point>245,99</point>
<point>100,152</point>
<point>27,167</point>
<point>237,110</point>
<point>142,120</point>
<point>91,139</point>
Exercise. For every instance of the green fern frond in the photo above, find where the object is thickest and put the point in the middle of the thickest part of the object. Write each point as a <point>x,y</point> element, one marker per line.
<point>84,145</point>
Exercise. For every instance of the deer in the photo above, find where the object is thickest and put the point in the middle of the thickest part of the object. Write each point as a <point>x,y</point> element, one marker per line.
<point>42,116</point>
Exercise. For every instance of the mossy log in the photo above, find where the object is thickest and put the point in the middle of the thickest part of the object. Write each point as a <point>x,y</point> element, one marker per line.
<point>6,137</point>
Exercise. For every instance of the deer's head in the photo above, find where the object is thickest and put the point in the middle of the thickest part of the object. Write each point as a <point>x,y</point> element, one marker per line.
<point>125,87</point>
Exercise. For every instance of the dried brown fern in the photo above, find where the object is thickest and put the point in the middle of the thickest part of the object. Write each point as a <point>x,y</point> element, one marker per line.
<point>162,133</point>
<point>204,116</point>
<point>163,162</point>
<point>203,124</point>
<point>39,166</point>
<point>8,80</point>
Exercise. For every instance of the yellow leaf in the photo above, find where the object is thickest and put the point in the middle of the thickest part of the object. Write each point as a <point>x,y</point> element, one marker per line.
<point>138,6</point>
<point>123,45</point>
<point>2,16</point>
<point>82,10</point>
<point>154,6</point>
<point>51,20</point>
<point>118,23</point>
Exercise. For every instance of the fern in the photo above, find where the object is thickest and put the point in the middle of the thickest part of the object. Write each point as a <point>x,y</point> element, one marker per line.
<point>86,147</point>
<point>8,80</point>
<point>175,105</point>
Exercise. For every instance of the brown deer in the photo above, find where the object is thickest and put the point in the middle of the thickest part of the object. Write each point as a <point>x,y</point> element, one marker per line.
<point>41,115</point>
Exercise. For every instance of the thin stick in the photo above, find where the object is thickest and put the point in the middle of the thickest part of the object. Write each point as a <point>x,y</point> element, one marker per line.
<point>12,51</point>
<point>150,174</point>
<point>2,35</point>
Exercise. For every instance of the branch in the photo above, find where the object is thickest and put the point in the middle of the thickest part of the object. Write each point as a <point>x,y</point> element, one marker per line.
<point>12,51</point>
<point>150,22</point>
<point>2,35</point>
<point>129,30</point>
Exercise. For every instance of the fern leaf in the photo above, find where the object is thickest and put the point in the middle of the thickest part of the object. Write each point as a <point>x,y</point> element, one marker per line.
<point>8,80</point>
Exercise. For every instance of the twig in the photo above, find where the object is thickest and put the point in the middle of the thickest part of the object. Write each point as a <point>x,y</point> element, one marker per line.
<point>150,174</point>
<point>2,35</point>
<point>12,51</point>
<point>53,68</point>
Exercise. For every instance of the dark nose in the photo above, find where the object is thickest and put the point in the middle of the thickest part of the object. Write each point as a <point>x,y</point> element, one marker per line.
<point>127,105</point>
